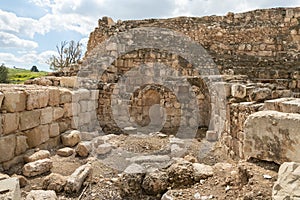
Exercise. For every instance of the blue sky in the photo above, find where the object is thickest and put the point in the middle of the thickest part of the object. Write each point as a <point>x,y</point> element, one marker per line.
<point>30,29</point>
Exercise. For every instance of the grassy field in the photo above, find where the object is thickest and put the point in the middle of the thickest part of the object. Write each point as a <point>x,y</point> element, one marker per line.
<point>20,75</point>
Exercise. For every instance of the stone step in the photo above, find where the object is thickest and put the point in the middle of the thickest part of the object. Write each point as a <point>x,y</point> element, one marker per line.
<point>287,105</point>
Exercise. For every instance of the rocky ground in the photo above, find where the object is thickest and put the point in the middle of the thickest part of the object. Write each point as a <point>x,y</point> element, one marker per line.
<point>154,166</point>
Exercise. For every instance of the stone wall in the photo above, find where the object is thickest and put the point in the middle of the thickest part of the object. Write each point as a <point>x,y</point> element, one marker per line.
<point>262,44</point>
<point>35,117</point>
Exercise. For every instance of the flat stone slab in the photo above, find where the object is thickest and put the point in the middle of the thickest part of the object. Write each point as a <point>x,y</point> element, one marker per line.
<point>10,189</point>
<point>272,136</point>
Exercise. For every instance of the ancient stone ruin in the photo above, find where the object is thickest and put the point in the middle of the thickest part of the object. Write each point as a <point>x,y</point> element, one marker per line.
<point>146,93</point>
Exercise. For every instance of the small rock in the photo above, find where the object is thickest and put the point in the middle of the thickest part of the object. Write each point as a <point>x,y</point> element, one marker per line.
<point>41,194</point>
<point>130,181</point>
<point>227,188</point>
<point>266,176</point>
<point>134,169</point>
<point>83,149</point>
<point>202,171</point>
<point>103,149</point>
<point>37,167</point>
<point>54,182</point>
<point>168,196</point>
<point>65,152</point>
<point>190,158</point>
<point>75,181</point>
<point>130,130</point>
<point>197,195</point>
<point>39,155</point>
<point>155,182</point>
<point>162,135</point>
<point>181,173</point>
<point>71,138</point>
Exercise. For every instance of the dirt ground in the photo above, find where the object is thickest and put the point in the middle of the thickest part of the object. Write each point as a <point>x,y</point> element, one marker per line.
<point>255,178</point>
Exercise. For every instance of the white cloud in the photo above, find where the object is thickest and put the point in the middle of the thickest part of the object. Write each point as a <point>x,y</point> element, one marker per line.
<point>27,59</point>
<point>8,40</point>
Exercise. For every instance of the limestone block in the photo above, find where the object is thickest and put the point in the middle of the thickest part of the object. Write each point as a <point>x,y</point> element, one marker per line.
<point>51,143</point>
<point>75,181</point>
<point>37,99</point>
<point>94,94</point>
<point>37,135</point>
<point>29,119</point>
<point>84,94</point>
<point>292,106</point>
<point>10,189</point>
<point>10,122</point>
<point>84,106</point>
<point>54,96</point>
<point>65,96</point>
<point>276,104</point>
<point>7,145</point>
<point>85,117</point>
<point>37,167</point>
<point>287,185</point>
<point>41,194</point>
<point>21,144</point>
<point>238,91</point>
<point>260,94</point>
<point>69,82</point>
<point>272,136</point>
<point>58,113</point>
<point>83,149</point>
<point>39,155</point>
<point>65,152</point>
<point>71,109</point>
<point>14,101</point>
<point>70,138</point>
<point>53,130</point>
<point>46,115</point>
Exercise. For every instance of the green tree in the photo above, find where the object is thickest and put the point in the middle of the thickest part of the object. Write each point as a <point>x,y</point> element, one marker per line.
<point>3,74</point>
<point>68,53</point>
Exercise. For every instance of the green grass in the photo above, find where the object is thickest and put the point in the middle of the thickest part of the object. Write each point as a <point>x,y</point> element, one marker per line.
<point>18,76</point>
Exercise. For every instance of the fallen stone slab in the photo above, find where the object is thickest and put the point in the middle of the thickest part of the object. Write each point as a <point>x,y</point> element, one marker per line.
<point>65,152</point>
<point>37,167</point>
<point>75,181</point>
<point>10,189</point>
<point>41,194</point>
<point>71,138</point>
<point>272,136</point>
<point>287,185</point>
<point>39,155</point>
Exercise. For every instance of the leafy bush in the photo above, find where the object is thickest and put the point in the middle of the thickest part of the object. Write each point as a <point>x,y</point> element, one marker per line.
<point>3,74</point>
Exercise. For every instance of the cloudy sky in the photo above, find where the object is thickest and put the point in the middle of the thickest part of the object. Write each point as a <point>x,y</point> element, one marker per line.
<point>30,29</point>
